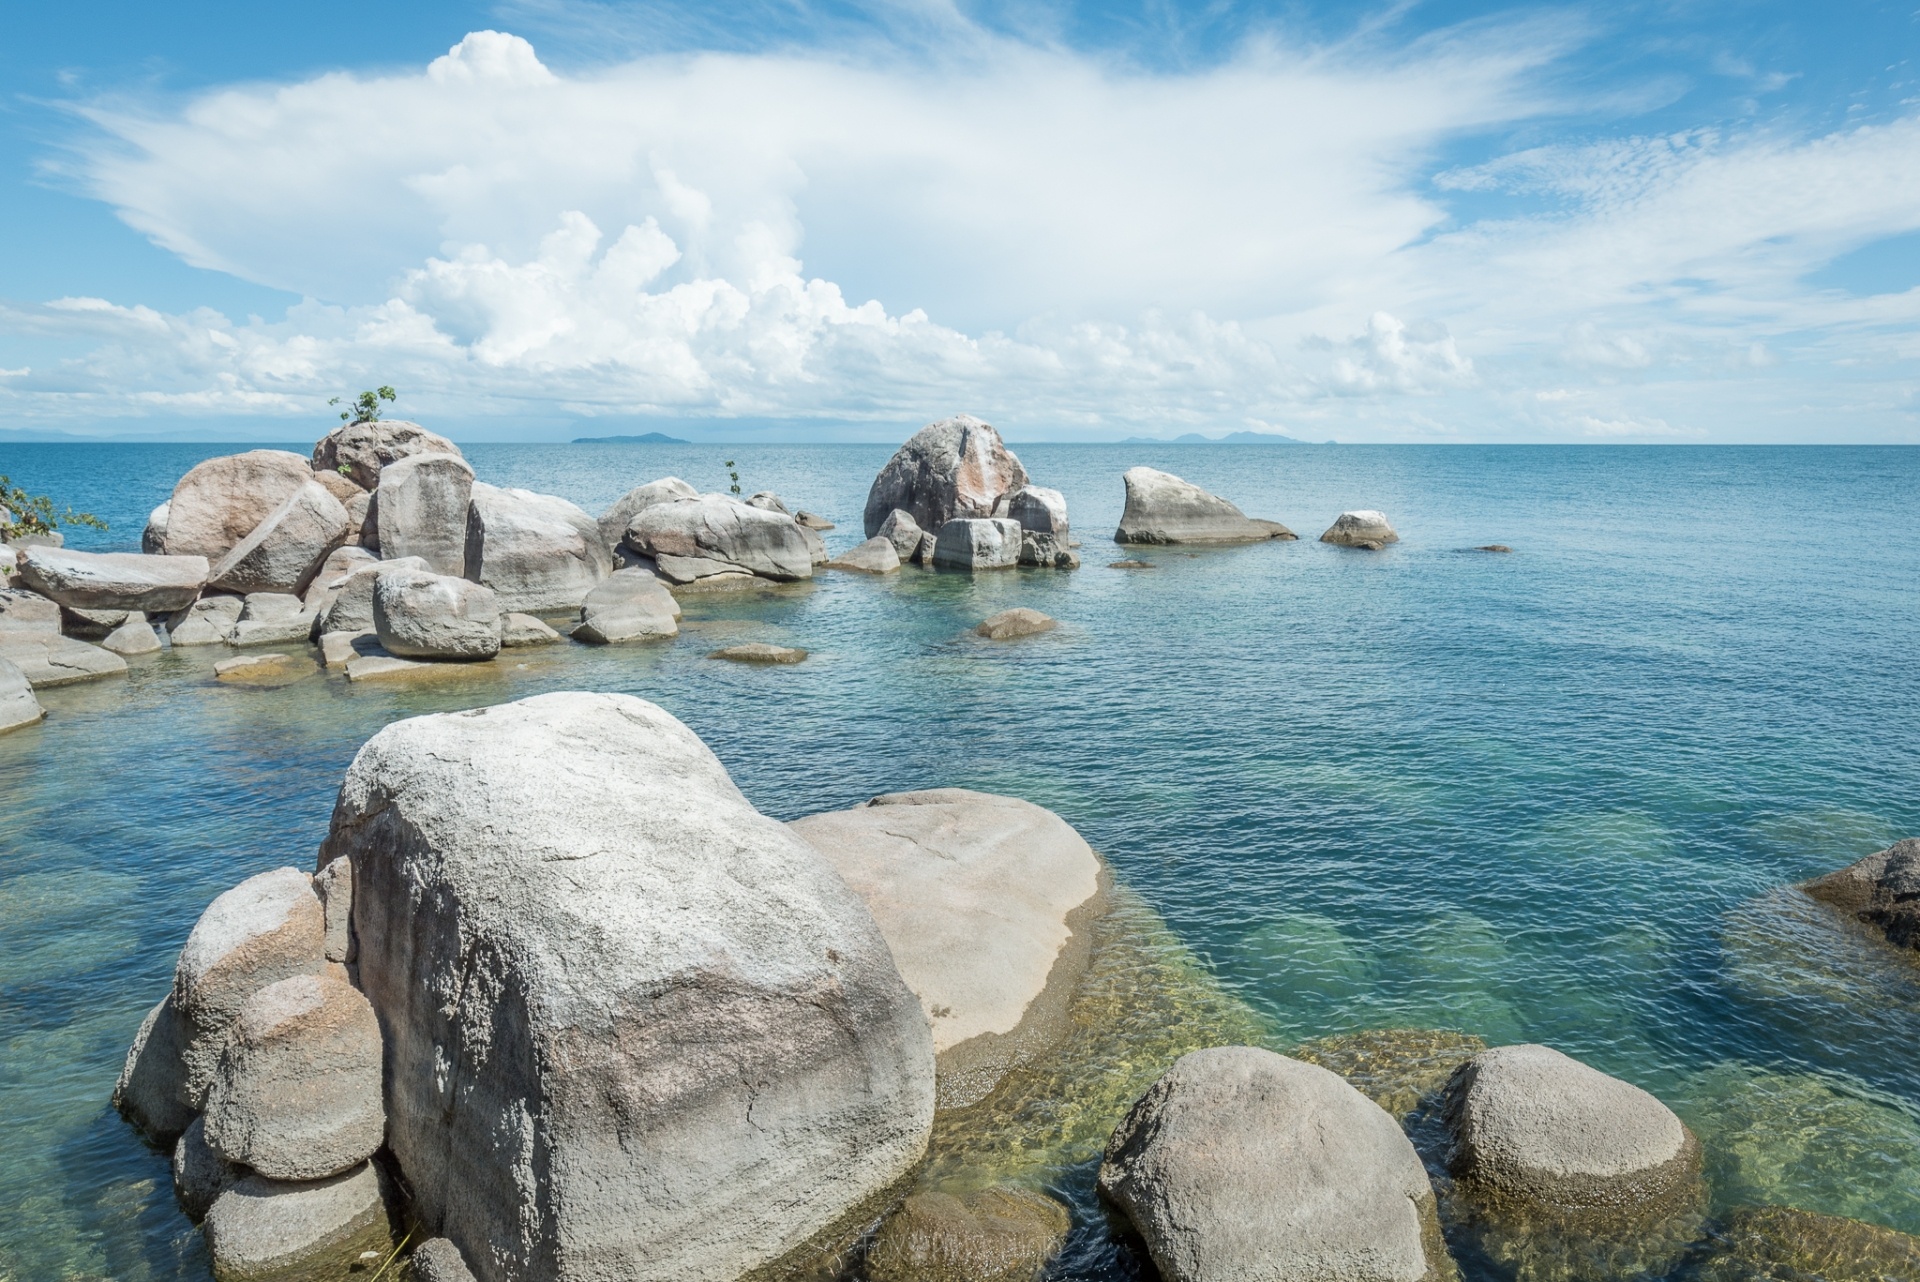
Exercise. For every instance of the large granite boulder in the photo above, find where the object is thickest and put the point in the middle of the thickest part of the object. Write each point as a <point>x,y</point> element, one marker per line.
<point>876,556</point>
<point>901,530</point>
<point>1039,509</point>
<point>1532,1125</point>
<point>351,609</point>
<point>634,1027</point>
<point>537,552</point>
<point>18,707</point>
<point>48,659</point>
<point>632,605</point>
<point>979,897</point>
<point>421,615</point>
<point>1363,529</point>
<point>721,529</point>
<point>114,580</point>
<point>1162,508</point>
<point>1882,891</point>
<point>978,543</point>
<point>268,928</point>
<point>359,451</point>
<point>267,1229</point>
<point>297,1093</point>
<point>221,501</point>
<point>332,576</point>
<point>285,550</point>
<point>23,610</point>
<point>614,521</point>
<point>152,1090</point>
<point>1240,1165</point>
<point>958,467</point>
<point>421,510</point>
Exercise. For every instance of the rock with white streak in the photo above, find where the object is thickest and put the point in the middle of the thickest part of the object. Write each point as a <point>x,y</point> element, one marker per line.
<point>152,1090</point>
<point>875,556</point>
<point>955,468</point>
<point>24,610</point>
<point>223,500</point>
<point>614,521</point>
<point>268,928</point>
<point>1364,529</point>
<point>1162,508</point>
<point>537,552</point>
<point>298,1090</point>
<point>718,527</point>
<point>18,707</point>
<point>632,605</point>
<point>421,615</point>
<point>114,580</point>
<point>585,944</point>
<point>153,538</point>
<point>421,510</point>
<point>1240,1165</point>
<point>901,530</point>
<point>351,609</point>
<point>261,1228</point>
<point>360,451</point>
<point>134,637</point>
<point>48,659</point>
<point>978,543</point>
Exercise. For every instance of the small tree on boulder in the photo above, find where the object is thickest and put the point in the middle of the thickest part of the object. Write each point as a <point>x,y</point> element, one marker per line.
<point>365,408</point>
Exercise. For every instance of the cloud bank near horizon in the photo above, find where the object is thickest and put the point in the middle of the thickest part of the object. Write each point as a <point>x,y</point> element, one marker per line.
<point>1047,237</point>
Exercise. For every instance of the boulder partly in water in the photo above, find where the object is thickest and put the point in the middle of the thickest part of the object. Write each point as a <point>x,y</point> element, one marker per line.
<point>1362,529</point>
<point>978,543</point>
<point>1162,508</point>
<point>631,605</point>
<point>418,614</point>
<point>537,552</point>
<point>1881,891</point>
<point>957,467</point>
<point>114,580</point>
<point>718,528</point>
<point>18,707</point>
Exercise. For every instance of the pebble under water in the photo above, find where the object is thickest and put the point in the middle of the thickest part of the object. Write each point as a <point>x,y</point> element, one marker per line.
<point>1554,795</point>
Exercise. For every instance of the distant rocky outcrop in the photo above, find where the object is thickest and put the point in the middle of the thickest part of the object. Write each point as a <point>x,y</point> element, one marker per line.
<point>1162,508</point>
<point>1882,891</point>
<point>955,468</point>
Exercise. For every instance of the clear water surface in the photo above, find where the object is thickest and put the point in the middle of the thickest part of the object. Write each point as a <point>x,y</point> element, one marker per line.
<point>1547,796</point>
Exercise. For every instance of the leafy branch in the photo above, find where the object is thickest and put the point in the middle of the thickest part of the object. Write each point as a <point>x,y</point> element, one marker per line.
<point>22,513</point>
<point>365,408</point>
<point>735,487</point>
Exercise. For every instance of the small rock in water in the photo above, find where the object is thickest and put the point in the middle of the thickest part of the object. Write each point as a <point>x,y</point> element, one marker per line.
<point>518,630</point>
<point>1397,1068</point>
<point>759,652</point>
<point>994,1235</point>
<point>1018,622</point>
<point>370,667</point>
<point>135,636</point>
<point>1882,891</point>
<point>1493,547</point>
<point>1366,529</point>
<point>876,556</point>
<point>1163,508</point>
<point>1131,564</point>
<point>274,669</point>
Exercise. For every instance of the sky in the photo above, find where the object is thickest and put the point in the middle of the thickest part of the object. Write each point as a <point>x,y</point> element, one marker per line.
<point>1685,221</point>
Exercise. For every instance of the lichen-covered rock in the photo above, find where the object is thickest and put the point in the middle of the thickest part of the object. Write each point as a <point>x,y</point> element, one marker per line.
<point>359,451</point>
<point>18,707</point>
<point>1368,529</point>
<point>719,528</point>
<point>1533,1125</point>
<point>1162,508</point>
<point>1017,622</point>
<point>978,543</point>
<point>955,468</point>
<point>614,521</point>
<point>114,580</point>
<point>421,615</point>
<point>261,1228</point>
<point>48,659</point>
<point>152,1090</point>
<point>297,1094</point>
<point>200,1175</point>
<point>535,551</point>
<point>1240,1165</point>
<point>635,1028</point>
<point>876,556</point>
<point>284,551</point>
<point>632,605</point>
<point>421,510</point>
<point>993,1235</point>
<point>901,530</point>
<point>1882,890</point>
<point>223,500</point>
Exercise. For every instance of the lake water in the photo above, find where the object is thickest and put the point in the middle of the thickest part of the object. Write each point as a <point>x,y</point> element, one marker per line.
<point>1548,796</point>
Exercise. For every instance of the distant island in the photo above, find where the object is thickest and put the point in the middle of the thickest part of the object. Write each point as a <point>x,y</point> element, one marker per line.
<point>645,438</point>
<point>1231,438</point>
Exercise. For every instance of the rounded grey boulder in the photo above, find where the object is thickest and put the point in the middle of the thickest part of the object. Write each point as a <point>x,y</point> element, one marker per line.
<point>1162,508</point>
<point>876,556</point>
<point>261,1228</point>
<point>1240,1165</point>
<point>421,615</point>
<point>152,1090</point>
<point>297,1095</point>
<point>722,529</point>
<point>1533,1124</point>
<point>420,510</point>
<point>223,500</point>
<point>439,1260</point>
<point>200,1176</point>
<point>1367,528</point>
<point>537,552</point>
<point>958,467</point>
<point>359,451</point>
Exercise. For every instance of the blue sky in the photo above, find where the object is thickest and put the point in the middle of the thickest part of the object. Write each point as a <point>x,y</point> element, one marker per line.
<point>1425,222</point>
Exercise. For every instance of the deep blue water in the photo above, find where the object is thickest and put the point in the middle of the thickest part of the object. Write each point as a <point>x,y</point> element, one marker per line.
<point>1543,796</point>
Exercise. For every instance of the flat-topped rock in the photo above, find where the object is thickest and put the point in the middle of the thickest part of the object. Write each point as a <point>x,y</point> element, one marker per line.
<point>720,528</point>
<point>223,500</point>
<point>359,451</point>
<point>1532,1124</point>
<point>1162,508</point>
<point>114,580</point>
<point>535,551</point>
<point>421,615</point>
<point>657,958</point>
<point>261,1228</point>
<point>876,556</point>
<point>1882,891</point>
<point>759,652</point>
<point>1360,529</point>
<point>632,605</point>
<point>289,545</point>
<point>978,543</point>
<point>18,707</point>
<point>420,509</point>
<point>614,521</point>
<point>1240,1165</point>
<point>384,667</point>
<point>1017,622</point>
<point>24,610</point>
<point>975,894</point>
<point>957,467</point>
<point>47,659</point>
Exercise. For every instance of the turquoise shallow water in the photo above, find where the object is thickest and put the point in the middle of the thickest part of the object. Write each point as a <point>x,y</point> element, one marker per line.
<point>1545,796</point>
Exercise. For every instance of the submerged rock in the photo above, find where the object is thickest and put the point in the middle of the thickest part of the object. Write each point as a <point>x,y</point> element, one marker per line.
<point>1783,1244</point>
<point>983,901</point>
<point>1882,891</point>
<point>114,580</point>
<point>876,556</point>
<point>978,543</point>
<point>759,652</point>
<point>421,615</point>
<point>1241,1165</point>
<point>285,550</point>
<point>48,659</point>
<point>1400,1069</point>
<point>1364,529</point>
<point>995,1235</point>
<point>223,500</point>
<point>18,707</point>
<point>359,451</point>
<point>1534,1125</point>
<point>955,468</point>
<point>1162,508</point>
<point>646,955</point>
<point>536,551</point>
<point>261,1228</point>
<point>1018,622</point>
<point>632,605</point>
<point>421,510</point>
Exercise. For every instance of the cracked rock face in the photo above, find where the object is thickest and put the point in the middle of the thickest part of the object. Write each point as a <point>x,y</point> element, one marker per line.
<point>634,1027</point>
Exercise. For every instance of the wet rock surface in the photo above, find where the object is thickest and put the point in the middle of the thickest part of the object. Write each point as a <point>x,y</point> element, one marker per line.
<point>47,659</point>
<point>759,652</point>
<point>993,1235</point>
<point>1017,622</point>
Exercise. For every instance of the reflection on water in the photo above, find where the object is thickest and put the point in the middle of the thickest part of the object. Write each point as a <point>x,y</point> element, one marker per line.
<point>1542,797</point>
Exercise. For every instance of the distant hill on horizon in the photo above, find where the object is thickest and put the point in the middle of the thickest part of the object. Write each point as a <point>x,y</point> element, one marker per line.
<point>645,438</point>
<point>1231,438</point>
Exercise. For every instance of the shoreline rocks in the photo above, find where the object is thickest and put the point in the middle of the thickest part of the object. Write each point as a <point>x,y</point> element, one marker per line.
<point>286,549</point>
<point>360,451</point>
<point>48,659</point>
<point>535,551</point>
<point>1882,892</point>
<point>631,605</point>
<point>221,501</point>
<point>18,707</point>
<point>114,580</point>
<point>1162,508</point>
<point>418,614</point>
<point>420,509</point>
<point>978,543</point>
